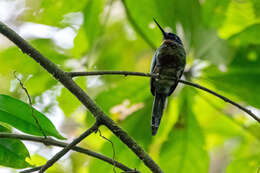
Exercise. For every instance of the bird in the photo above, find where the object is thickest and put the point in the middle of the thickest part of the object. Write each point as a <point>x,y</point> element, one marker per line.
<point>168,62</point>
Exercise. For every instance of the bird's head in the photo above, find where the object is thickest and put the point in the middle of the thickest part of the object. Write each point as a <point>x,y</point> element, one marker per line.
<point>168,35</point>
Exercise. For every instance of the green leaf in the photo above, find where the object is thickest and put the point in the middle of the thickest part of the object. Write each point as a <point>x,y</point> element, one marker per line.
<point>238,17</point>
<point>67,101</point>
<point>184,151</point>
<point>248,164</point>
<point>241,77</point>
<point>214,12</point>
<point>13,152</point>
<point>92,23</point>
<point>248,36</point>
<point>19,115</point>
<point>114,96</point>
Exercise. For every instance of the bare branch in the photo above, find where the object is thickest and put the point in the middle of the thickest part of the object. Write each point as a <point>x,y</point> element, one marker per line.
<point>126,73</point>
<point>67,81</point>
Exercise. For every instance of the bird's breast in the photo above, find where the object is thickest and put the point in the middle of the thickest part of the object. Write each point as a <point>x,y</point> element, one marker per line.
<point>170,55</point>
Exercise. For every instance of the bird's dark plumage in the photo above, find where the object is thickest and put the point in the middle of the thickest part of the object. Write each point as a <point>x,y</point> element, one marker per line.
<point>169,60</point>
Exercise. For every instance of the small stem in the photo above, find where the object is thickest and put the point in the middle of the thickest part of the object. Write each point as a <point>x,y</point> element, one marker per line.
<point>31,105</point>
<point>124,73</point>
<point>222,97</point>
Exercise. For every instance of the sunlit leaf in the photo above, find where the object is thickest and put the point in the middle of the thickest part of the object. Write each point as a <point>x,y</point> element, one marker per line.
<point>247,164</point>
<point>238,16</point>
<point>248,36</point>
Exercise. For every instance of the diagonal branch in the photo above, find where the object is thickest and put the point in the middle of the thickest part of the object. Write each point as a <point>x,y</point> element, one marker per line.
<point>67,81</point>
<point>50,141</point>
<point>61,153</point>
<point>127,73</point>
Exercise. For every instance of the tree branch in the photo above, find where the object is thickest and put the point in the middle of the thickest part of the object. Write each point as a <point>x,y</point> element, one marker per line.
<point>61,153</point>
<point>127,73</point>
<point>50,141</point>
<point>67,81</point>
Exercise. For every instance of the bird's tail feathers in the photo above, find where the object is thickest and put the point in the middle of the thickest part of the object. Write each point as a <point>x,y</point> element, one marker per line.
<point>158,107</point>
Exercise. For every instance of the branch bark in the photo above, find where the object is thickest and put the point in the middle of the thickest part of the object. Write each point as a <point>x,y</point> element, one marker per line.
<point>128,73</point>
<point>67,81</point>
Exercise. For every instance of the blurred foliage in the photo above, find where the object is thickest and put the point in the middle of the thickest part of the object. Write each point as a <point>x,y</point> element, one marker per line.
<point>198,133</point>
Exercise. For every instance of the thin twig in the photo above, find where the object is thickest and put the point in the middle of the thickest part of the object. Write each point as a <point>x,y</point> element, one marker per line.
<point>114,152</point>
<point>126,73</point>
<point>53,142</point>
<point>136,27</point>
<point>58,155</point>
<point>229,117</point>
<point>30,103</point>
<point>223,98</point>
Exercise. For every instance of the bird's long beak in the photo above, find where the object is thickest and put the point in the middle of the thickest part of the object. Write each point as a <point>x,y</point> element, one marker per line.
<point>164,33</point>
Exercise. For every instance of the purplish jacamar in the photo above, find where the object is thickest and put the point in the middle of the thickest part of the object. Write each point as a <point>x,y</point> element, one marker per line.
<point>168,61</point>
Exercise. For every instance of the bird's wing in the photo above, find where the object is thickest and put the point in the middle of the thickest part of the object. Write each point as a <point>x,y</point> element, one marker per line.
<point>152,69</point>
<point>175,85</point>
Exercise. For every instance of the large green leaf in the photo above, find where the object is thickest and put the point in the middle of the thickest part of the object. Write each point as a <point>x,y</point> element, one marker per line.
<point>12,152</point>
<point>241,77</point>
<point>247,164</point>
<point>19,115</point>
<point>184,150</point>
<point>248,36</point>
